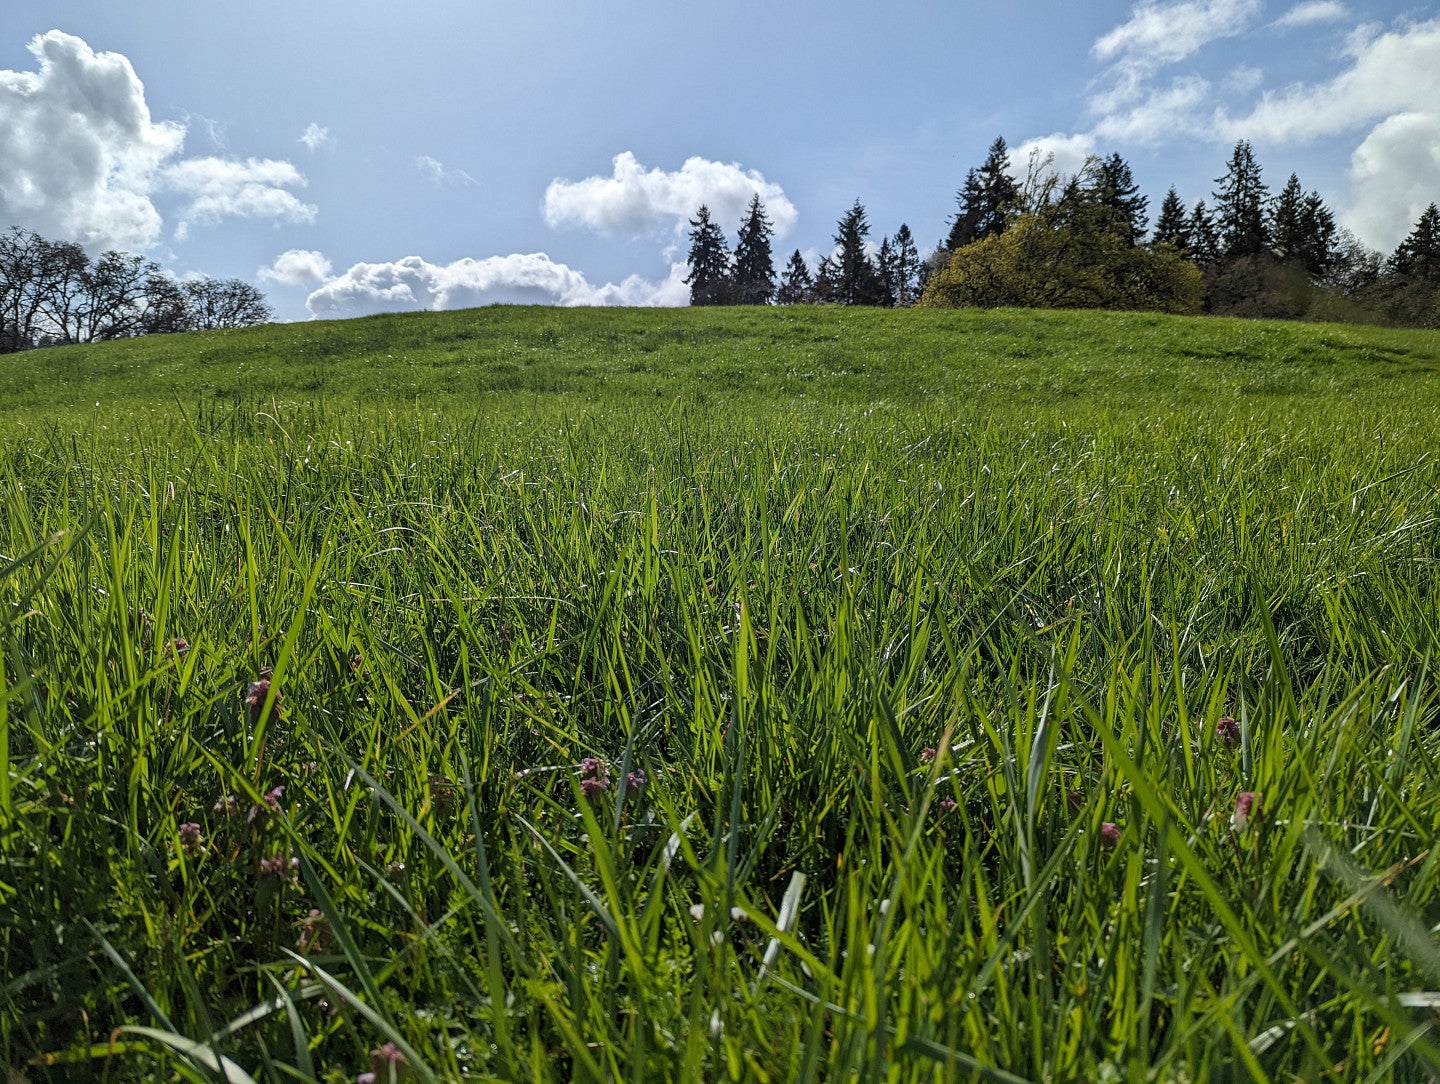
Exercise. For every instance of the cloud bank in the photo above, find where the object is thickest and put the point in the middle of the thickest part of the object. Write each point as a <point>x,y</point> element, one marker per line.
<point>638,202</point>
<point>83,159</point>
<point>520,279</point>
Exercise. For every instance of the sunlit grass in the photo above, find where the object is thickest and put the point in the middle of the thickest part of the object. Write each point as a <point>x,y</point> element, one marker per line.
<point>730,696</point>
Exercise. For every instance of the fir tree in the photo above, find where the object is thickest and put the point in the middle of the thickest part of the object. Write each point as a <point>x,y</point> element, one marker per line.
<point>857,282</point>
<point>796,285</point>
<point>1172,227</point>
<point>1418,256</point>
<point>985,200</point>
<point>753,278</point>
<point>886,269</point>
<point>709,278</point>
<point>907,268</point>
<point>827,281</point>
<point>1121,196</point>
<point>1302,229</point>
<point>1240,204</point>
<point>1204,247</point>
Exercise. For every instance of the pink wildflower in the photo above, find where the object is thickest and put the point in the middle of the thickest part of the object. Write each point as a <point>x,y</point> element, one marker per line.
<point>1109,835</point>
<point>191,841</point>
<point>1247,808</point>
<point>927,754</point>
<point>1227,730</point>
<point>256,694</point>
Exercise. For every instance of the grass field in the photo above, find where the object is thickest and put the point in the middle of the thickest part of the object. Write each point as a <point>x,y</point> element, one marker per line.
<point>768,695</point>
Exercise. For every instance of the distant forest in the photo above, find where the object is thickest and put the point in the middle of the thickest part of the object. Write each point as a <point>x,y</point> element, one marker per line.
<point>1085,241</point>
<point>52,294</point>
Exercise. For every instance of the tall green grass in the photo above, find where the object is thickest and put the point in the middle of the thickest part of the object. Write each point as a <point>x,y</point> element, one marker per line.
<point>846,707</point>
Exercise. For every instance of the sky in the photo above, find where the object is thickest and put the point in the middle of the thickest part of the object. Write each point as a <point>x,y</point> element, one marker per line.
<point>356,156</point>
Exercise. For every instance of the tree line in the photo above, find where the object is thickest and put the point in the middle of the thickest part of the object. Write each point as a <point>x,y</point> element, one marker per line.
<point>1085,241</point>
<point>52,293</point>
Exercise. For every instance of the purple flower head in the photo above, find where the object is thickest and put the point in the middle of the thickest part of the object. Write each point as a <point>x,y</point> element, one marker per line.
<point>191,841</point>
<point>388,1062</point>
<point>255,696</point>
<point>927,754</point>
<point>1109,835</point>
<point>1074,798</point>
<point>366,1077</point>
<point>592,766</point>
<point>1227,731</point>
<point>948,804</point>
<point>592,788</point>
<point>268,805</point>
<point>180,647</point>
<point>227,805</point>
<point>278,867</point>
<point>1247,808</point>
<point>636,779</point>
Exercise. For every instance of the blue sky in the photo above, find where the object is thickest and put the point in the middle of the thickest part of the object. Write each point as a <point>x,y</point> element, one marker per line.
<point>350,156</point>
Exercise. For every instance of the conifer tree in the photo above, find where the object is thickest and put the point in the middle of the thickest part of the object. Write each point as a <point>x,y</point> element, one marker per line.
<point>857,282</point>
<point>709,277</point>
<point>1240,204</point>
<point>907,268</point>
<point>1204,247</point>
<point>886,269</point>
<point>985,200</point>
<point>796,285</point>
<point>827,281</point>
<point>1418,256</point>
<point>1172,227</point>
<point>753,277</point>
<point>1121,196</point>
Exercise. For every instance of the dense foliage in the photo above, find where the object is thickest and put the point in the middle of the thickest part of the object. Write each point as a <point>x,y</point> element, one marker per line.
<point>782,694</point>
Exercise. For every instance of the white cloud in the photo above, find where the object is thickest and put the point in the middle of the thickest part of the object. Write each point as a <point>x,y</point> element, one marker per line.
<point>1389,73</point>
<point>440,173</point>
<point>80,149</point>
<point>1315,11</point>
<point>1159,33</point>
<point>1161,115</point>
<point>1394,175</point>
<point>315,136</point>
<point>1065,153</point>
<point>635,201</point>
<point>84,161</point>
<point>527,279</point>
<point>297,267</point>
<point>225,188</point>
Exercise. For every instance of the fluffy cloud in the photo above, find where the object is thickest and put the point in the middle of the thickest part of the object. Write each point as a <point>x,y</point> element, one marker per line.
<point>81,153</point>
<point>1395,175</point>
<point>297,267</point>
<point>636,201</point>
<point>84,161</point>
<point>532,279</point>
<point>315,136</point>
<point>1388,73</point>
<point>1065,153</point>
<point>217,188</point>
<point>1160,33</point>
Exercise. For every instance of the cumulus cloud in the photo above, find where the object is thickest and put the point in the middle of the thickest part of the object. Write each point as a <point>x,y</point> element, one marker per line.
<point>526,279</point>
<point>81,152</point>
<point>1315,11</point>
<point>1160,33</point>
<point>83,160</point>
<point>440,173</point>
<point>297,267</point>
<point>314,136</point>
<point>218,188</point>
<point>1395,175</point>
<point>636,201</point>
<point>1065,153</point>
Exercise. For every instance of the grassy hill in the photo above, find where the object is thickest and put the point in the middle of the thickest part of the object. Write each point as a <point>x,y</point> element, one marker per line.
<point>783,694</point>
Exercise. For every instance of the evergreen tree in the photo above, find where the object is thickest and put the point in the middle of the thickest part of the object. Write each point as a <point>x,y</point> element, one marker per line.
<point>1302,229</point>
<point>985,200</point>
<point>1172,227</point>
<point>1204,247</point>
<point>796,285</point>
<point>857,280</point>
<point>753,278</point>
<point>1240,204</point>
<point>709,278</point>
<point>886,269</point>
<point>1418,256</point>
<point>827,281</point>
<point>907,268</point>
<point>1321,236</point>
<point>1121,195</point>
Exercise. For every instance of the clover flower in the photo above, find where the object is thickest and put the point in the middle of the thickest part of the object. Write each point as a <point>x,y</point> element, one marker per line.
<point>256,694</point>
<point>1227,731</point>
<point>278,867</point>
<point>268,805</point>
<point>596,778</point>
<point>191,841</point>
<point>1109,835</point>
<point>927,754</point>
<point>1247,808</point>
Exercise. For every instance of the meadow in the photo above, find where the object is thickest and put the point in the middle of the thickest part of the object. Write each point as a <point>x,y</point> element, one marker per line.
<point>719,694</point>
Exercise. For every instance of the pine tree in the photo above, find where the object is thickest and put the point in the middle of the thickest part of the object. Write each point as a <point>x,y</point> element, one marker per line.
<point>1321,236</point>
<point>1121,196</point>
<point>1302,229</point>
<point>753,277</point>
<point>1204,247</point>
<point>796,285</point>
<point>827,281</point>
<point>709,278</point>
<point>1172,228</point>
<point>985,200</point>
<point>907,268</point>
<point>1418,256</point>
<point>1240,205</point>
<point>857,280</point>
<point>886,269</point>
